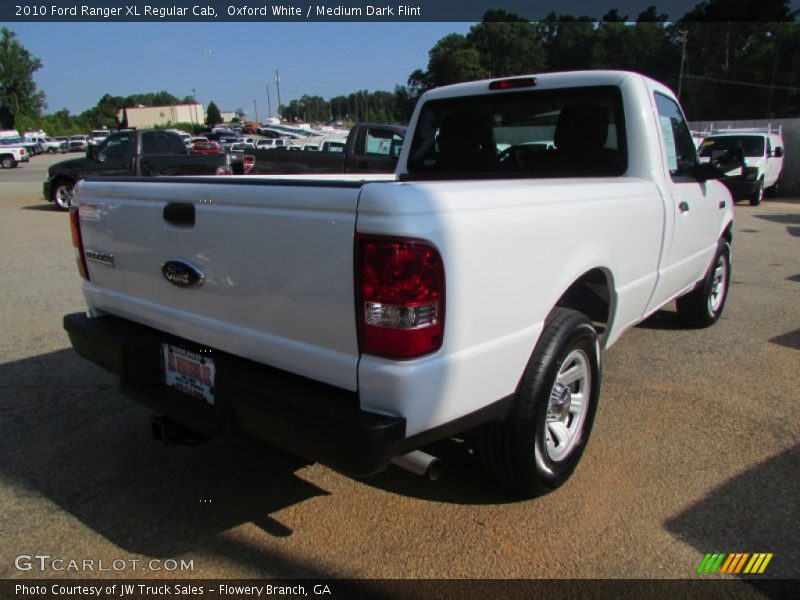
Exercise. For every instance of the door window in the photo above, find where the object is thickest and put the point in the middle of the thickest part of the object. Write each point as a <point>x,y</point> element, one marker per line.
<point>681,152</point>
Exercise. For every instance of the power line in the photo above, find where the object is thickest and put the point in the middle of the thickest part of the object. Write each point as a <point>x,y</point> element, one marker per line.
<point>757,85</point>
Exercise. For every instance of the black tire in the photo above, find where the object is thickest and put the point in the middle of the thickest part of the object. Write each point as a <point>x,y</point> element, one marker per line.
<point>773,190</point>
<point>8,162</point>
<point>702,307</point>
<point>519,452</point>
<point>758,195</point>
<point>61,194</point>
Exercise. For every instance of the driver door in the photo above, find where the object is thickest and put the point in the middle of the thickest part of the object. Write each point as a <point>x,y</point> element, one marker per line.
<point>115,155</point>
<point>697,213</point>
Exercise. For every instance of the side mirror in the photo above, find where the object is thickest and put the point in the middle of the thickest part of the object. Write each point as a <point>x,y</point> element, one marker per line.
<point>90,152</point>
<point>778,152</point>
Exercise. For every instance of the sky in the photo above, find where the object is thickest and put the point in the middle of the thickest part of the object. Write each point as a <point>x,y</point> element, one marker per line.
<point>229,63</point>
<point>232,63</point>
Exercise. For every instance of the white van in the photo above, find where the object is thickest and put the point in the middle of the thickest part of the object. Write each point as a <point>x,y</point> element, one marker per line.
<point>763,156</point>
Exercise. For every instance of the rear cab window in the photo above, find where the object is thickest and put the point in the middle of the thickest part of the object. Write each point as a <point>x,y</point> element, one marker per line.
<point>572,132</point>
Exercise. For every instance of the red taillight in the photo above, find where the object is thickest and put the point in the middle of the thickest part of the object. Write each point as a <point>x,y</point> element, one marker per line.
<point>399,296</point>
<point>77,242</point>
<point>249,163</point>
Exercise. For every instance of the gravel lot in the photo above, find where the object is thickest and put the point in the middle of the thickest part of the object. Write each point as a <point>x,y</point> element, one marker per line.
<point>696,449</point>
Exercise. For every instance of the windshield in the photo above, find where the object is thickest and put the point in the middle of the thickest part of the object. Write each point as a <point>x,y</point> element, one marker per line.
<point>751,145</point>
<point>574,132</point>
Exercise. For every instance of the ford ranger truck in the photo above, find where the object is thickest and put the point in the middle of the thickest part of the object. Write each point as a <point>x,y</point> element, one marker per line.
<point>353,320</point>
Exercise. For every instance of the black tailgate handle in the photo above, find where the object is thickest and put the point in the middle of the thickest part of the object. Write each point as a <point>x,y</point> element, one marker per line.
<point>180,214</point>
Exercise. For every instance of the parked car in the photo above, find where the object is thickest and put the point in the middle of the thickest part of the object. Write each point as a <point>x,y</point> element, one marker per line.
<point>78,143</point>
<point>11,156</point>
<point>141,153</point>
<point>763,160</point>
<point>471,293</point>
<point>31,148</point>
<point>274,143</point>
<point>225,142</point>
<point>97,136</point>
<point>207,147</point>
<point>53,145</point>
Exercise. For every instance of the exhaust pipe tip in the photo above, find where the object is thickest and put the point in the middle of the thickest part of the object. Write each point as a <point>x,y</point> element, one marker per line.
<point>167,431</point>
<point>420,463</point>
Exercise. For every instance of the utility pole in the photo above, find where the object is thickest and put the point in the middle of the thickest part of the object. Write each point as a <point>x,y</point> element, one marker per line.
<point>683,59</point>
<point>774,73</point>
<point>194,107</point>
<point>278,85</point>
<point>269,104</point>
<point>255,109</point>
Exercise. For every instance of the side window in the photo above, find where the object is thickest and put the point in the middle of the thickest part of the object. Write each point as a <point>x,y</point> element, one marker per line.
<point>383,143</point>
<point>155,143</point>
<point>681,153</point>
<point>176,144</point>
<point>116,148</point>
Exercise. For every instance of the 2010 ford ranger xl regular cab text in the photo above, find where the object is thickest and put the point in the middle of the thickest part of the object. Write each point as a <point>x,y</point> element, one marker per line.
<point>354,319</point>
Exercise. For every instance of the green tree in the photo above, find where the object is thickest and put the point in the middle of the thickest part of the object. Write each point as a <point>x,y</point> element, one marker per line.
<point>18,94</point>
<point>213,116</point>
<point>507,44</point>
<point>569,41</point>
<point>737,53</point>
<point>454,59</point>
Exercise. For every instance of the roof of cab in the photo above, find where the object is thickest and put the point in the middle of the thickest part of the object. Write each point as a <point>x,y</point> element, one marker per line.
<point>543,81</point>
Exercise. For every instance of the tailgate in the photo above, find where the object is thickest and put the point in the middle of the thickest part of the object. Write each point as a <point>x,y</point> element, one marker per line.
<point>276,261</point>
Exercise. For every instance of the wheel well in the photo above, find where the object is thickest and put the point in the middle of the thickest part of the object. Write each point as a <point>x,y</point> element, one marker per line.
<point>728,233</point>
<point>590,294</point>
<point>59,180</point>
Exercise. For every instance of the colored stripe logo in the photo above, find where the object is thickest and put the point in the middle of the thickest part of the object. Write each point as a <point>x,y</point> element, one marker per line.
<point>735,563</point>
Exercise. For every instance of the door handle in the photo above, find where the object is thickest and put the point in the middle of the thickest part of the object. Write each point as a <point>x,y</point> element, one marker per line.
<point>683,207</point>
<point>722,203</point>
<point>180,214</point>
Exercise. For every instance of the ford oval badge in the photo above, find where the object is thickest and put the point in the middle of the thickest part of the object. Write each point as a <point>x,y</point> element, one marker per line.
<point>182,274</point>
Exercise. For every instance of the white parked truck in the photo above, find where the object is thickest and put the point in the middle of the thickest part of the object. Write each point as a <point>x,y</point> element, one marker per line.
<point>354,319</point>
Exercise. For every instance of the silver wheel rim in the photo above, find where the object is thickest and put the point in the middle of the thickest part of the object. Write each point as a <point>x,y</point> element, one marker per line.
<point>718,284</point>
<point>64,196</point>
<point>567,405</point>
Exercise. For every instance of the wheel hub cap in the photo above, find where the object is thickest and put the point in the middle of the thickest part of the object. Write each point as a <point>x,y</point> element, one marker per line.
<point>567,405</point>
<point>560,401</point>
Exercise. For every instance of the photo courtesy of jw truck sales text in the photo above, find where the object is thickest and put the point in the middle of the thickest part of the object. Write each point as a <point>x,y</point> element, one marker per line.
<point>359,364</point>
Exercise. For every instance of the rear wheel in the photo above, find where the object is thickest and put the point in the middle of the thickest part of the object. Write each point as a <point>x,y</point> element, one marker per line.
<point>62,193</point>
<point>539,444</point>
<point>758,195</point>
<point>703,306</point>
<point>773,190</point>
<point>8,162</point>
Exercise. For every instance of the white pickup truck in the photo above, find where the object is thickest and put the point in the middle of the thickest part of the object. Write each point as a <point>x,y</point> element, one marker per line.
<point>354,319</point>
